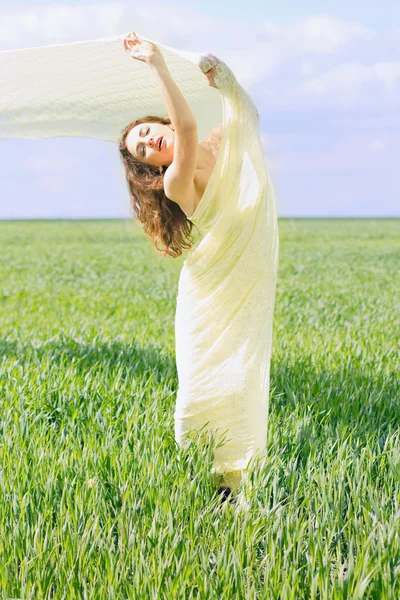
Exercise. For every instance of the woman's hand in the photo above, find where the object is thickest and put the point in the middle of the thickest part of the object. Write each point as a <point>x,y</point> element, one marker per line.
<point>207,64</point>
<point>210,76</point>
<point>142,50</point>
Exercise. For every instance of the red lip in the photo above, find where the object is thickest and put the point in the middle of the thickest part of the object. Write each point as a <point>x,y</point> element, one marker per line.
<point>162,143</point>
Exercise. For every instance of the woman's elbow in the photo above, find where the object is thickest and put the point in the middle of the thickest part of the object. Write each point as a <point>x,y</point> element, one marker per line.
<point>186,125</point>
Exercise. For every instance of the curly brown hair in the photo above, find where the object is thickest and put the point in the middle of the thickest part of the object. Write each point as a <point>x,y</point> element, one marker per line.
<point>163,220</point>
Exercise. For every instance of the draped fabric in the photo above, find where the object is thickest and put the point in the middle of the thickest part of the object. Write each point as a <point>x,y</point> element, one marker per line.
<point>94,89</point>
<point>226,294</point>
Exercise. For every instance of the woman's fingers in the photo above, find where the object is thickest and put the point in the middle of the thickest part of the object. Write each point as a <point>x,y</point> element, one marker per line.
<point>128,42</point>
<point>131,39</point>
<point>210,76</point>
<point>131,45</point>
<point>134,37</point>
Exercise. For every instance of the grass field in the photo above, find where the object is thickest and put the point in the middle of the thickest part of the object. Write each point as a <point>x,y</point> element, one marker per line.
<point>93,501</point>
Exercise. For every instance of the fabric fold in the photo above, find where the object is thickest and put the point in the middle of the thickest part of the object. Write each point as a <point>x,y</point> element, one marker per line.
<point>93,89</point>
<point>226,293</point>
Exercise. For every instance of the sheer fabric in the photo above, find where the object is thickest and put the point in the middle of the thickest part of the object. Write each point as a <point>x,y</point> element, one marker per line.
<point>226,294</point>
<point>93,89</point>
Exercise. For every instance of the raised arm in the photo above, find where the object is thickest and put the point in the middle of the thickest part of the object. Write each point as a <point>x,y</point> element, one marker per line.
<point>179,177</point>
<point>178,109</point>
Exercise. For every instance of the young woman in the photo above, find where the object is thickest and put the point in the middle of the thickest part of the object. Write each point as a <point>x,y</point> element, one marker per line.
<point>166,167</point>
<point>226,292</point>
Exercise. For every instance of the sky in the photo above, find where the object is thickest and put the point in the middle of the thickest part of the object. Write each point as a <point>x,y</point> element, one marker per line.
<point>325,76</point>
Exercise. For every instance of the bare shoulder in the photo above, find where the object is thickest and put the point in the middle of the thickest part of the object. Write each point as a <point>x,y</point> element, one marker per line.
<point>213,140</point>
<point>215,134</point>
<point>193,192</point>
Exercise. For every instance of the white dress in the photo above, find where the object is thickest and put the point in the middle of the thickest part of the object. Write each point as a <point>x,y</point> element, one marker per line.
<point>226,293</point>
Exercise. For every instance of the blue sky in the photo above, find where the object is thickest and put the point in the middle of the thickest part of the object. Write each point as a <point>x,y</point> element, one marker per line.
<point>325,77</point>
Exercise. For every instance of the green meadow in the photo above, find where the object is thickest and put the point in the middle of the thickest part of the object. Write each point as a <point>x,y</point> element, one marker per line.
<point>94,503</point>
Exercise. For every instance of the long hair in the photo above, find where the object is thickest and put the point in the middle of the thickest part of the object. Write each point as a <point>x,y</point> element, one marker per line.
<point>163,220</point>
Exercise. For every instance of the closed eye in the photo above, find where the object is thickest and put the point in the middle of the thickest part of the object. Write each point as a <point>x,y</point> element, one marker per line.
<point>143,148</point>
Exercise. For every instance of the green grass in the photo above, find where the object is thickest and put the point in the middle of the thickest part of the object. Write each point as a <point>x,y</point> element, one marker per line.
<point>93,501</point>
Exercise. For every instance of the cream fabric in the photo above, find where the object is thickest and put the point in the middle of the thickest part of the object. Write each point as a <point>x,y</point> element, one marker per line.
<point>94,88</point>
<point>226,295</point>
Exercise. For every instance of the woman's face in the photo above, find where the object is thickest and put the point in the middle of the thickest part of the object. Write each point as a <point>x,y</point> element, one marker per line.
<point>143,142</point>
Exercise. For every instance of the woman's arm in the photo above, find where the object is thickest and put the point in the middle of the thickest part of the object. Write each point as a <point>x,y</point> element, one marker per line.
<point>179,111</point>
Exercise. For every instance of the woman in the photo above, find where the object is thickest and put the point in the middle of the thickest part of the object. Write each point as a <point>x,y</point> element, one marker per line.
<point>164,196</point>
<point>225,302</point>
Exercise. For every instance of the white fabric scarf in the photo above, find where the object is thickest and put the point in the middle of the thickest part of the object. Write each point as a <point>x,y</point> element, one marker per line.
<point>94,89</point>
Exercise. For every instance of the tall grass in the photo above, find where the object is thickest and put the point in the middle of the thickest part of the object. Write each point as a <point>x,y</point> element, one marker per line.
<point>94,502</point>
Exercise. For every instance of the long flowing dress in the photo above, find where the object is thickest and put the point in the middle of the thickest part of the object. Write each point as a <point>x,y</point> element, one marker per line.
<point>226,294</point>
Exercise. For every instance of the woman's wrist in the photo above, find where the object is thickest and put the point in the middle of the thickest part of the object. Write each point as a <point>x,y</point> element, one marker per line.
<point>158,63</point>
<point>178,109</point>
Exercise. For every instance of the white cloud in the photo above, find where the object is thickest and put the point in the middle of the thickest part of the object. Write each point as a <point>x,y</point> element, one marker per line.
<point>275,45</point>
<point>307,67</point>
<point>376,146</point>
<point>358,121</point>
<point>273,161</point>
<point>317,34</point>
<point>23,27</point>
<point>357,153</point>
<point>388,73</point>
<point>252,52</point>
<point>347,80</point>
<point>312,63</point>
<point>256,54</point>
